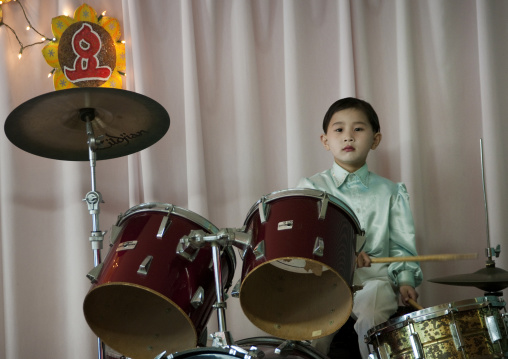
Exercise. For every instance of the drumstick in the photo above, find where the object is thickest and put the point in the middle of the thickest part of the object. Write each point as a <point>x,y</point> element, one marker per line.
<point>414,304</point>
<point>427,258</point>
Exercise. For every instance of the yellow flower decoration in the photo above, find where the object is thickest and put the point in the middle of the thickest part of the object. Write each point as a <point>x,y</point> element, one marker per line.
<point>86,50</point>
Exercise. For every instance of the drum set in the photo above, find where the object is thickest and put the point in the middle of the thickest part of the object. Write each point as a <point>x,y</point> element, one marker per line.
<point>168,268</point>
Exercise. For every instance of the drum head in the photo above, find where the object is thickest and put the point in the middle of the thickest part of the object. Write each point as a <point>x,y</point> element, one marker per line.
<point>295,305</point>
<point>138,321</point>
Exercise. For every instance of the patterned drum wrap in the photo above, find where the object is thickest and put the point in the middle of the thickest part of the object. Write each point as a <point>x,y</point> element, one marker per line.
<point>468,329</point>
<point>142,301</point>
<point>297,273</point>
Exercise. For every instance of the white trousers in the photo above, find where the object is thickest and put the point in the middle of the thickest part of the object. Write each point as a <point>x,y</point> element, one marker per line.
<point>372,305</point>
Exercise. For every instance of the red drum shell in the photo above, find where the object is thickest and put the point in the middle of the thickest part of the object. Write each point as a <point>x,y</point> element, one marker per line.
<point>314,299</point>
<point>141,315</point>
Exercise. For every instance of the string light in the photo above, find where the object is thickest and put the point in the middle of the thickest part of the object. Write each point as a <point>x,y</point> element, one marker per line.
<point>29,27</point>
<point>101,15</point>
<point>51,73</point>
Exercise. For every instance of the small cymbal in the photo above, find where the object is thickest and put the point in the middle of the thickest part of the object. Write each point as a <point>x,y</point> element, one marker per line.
<point>490,279</point>
<point>51,126</point>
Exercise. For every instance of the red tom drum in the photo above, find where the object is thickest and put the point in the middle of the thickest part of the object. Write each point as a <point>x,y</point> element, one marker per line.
<point>297,273</point>
<point>147,298</point>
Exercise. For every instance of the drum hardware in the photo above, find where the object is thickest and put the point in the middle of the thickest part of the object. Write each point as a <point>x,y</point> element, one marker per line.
<point>490,279</point>
<point>94,273</point>
<point>198,297</point>
<point>458,340</point>
<point>285,348</point>
<point>259,250</point>
<point>165,223</point>
<point>319,247</point>
<point>415,341</point>
<point>145,265</point>
<point>323,206</point>
<point>190,244</point>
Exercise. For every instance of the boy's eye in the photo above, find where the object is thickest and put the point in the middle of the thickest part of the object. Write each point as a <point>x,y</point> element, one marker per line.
<point>359,129</point>
<point>338,130</point>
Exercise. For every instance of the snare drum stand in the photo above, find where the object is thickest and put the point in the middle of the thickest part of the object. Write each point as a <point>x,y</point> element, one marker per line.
<point>93,200</point>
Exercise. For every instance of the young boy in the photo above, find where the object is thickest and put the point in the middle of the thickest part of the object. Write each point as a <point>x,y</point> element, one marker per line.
<point>351,129</point>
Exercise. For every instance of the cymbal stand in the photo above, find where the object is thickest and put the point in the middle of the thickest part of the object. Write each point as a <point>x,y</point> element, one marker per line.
<point>489,251</point>
<point>93,200</point>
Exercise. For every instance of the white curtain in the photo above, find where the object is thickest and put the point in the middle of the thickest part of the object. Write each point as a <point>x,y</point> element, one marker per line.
<point>246,85</point>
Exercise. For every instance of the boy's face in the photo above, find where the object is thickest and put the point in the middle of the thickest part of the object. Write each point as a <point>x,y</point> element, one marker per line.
<point>350,137</point>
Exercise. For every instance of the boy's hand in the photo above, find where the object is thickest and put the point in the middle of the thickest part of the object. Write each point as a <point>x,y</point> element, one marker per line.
<point>407,292</point>
<point>363,260</point>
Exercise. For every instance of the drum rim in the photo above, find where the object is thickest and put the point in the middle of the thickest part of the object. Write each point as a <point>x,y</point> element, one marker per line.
<point>434,312</point>
<point>304,192</point>
<point>168,208</point>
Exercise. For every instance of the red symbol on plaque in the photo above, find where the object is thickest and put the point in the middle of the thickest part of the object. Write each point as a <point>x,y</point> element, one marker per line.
<point>86,44</point>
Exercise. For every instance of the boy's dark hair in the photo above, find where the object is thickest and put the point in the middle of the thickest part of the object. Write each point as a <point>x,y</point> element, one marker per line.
<point>357,104</point>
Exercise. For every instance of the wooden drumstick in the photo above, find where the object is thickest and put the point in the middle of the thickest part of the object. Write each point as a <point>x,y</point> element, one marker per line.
<point>427,258</point>
<point>414,304</point>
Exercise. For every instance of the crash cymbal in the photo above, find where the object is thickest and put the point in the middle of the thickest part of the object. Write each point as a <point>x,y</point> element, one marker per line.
<point>490,279</point>
<point>51,125</point>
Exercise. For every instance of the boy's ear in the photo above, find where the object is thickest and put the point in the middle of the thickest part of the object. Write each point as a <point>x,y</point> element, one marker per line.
<point>377,140</point>
<point>324,141</point>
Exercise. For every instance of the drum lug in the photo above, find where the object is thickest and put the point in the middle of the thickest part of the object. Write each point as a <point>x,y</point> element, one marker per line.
<point>165,223</point>
<point>414,339</point>
<point>319,247</point>
<point>323,206</point>
<point>235,292</point>
<point>145,265</point>
<point>285,348</point>
<point>94,273</point>
<point>259,250</point>
<point>264,210</point>
<point>493,329</point>
<point>113,236</point>
<point>457,336</point>
<point>198,297</point>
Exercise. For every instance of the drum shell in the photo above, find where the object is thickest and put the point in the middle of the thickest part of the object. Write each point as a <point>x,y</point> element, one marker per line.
<point>435,331</point>
<point>337,228</point>
<point>266,345</point>
<point>142,314</point>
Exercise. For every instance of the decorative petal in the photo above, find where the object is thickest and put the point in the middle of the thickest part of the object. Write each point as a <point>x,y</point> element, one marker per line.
<point>1,15</point>
<point>120,56</point>
<point>50,53</point>
<point>60,81</point>
<point>111,25</point>
<point>59,24</point>
<point>114,81</point>
<point>85,13</point>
